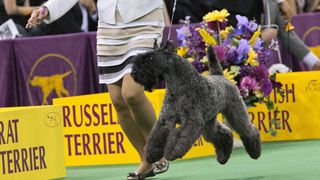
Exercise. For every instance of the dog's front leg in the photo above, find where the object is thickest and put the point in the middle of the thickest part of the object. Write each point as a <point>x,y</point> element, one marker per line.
<point>158,136</point>
<point>221,137</point>
<point>181,139</point>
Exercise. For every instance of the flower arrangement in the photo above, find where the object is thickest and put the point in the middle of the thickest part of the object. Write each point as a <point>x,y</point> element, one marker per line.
<point>239,49</point>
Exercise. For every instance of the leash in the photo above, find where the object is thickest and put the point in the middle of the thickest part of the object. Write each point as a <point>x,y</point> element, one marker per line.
<point>172,16</point>
<point>269,25</point>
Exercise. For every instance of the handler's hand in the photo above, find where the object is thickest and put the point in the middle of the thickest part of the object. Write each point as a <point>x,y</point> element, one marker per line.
<point>268,34</point>
<point>37,17</point>
<point>90,5</point>
<point>286,10</point>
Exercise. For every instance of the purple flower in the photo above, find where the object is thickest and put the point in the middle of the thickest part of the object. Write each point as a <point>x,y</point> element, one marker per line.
<point>242,21</point>
<point>186,20</point>
<point>231,56</point>
<point>245,28</point>
<point>240,30</point>
<point>276,84</point>
<point>246,71</point>
<point>199,66</point>
<point>182,34</point>
<point>261,73</point>
<point>220,51</point>
<point>242,49</point>
<point>195,43</point>
<point>258,44</point>
<point>252,26</point>
<point>266,87</point>
<point>247,84</point>
<point>264,55</point>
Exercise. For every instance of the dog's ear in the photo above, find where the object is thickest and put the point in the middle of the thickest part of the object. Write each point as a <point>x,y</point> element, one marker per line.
<point>169,47</point>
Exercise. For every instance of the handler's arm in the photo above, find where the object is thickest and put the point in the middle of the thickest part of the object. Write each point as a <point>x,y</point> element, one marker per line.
<point>49,12</point>
<point>58,8</point>
<point>286,9</point>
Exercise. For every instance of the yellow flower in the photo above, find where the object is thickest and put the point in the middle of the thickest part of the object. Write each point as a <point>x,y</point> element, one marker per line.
<point>190,60</point>
<point>224,33</point>
<point>258,93</point>
<point>204,60</point>
<point>255,36</point>
<point>289,27</point>
<point>207,38</point>
<point>216,16</point>
<point>252,58</point>
<point>205,73</point>
<point>182,51</point>
<point>228,75</point>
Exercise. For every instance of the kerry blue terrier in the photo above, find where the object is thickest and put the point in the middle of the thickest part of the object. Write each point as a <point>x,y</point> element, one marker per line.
<point>193,101</point>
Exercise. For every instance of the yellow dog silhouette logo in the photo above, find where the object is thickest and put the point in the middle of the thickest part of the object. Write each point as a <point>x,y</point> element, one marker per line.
<point>51,76</point>
<point>48,84</point>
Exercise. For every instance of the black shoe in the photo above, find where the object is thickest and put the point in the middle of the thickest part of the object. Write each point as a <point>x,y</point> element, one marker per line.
<point>136,176</point>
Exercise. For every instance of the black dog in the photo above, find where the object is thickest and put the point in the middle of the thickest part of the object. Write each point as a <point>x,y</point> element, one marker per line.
<point>193,101</point>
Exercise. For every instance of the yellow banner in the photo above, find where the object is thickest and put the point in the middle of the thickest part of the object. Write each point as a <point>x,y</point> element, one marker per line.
<point>92,135</point>
<point>31,143</point>
<point>298,114</point>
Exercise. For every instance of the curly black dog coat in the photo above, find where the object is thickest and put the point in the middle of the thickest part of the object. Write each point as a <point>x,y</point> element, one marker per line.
<point>193,101</point>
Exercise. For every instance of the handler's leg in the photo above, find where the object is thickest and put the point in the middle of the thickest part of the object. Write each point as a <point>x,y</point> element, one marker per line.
<point>142,112</point>
<point>141,108</point>
<point>128,125</point>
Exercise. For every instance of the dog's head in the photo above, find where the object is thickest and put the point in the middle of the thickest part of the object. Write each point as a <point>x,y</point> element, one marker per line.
<point>35,81</point>
<point>149,67</point>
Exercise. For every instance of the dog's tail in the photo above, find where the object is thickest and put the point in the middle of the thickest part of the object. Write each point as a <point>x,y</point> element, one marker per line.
<point>214,65</point>
<point>66,74</point>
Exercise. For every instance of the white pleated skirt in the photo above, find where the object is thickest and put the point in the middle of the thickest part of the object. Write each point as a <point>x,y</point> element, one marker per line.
<point>118,44</point>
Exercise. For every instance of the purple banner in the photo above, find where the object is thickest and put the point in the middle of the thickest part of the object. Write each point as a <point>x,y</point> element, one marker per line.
<point>50,67</point>
<point>8,89</point>
<point>307,26</point>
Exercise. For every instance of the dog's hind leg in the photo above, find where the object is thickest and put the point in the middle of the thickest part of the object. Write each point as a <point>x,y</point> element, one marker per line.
<point>237,116</point>
<point>181,139</point>
<point>157,139</point>
<point>64,91</point>
<point>221,137</point>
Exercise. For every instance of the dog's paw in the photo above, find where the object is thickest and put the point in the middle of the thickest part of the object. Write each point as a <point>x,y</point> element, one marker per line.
<point>252,144</point>
<point>224,145</point>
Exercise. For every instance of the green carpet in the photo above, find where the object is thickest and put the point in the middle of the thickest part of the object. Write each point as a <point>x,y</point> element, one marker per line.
<point>298,160</point>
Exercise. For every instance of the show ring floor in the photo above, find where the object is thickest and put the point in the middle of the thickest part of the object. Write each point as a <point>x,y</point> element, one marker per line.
<point>295,160</point>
